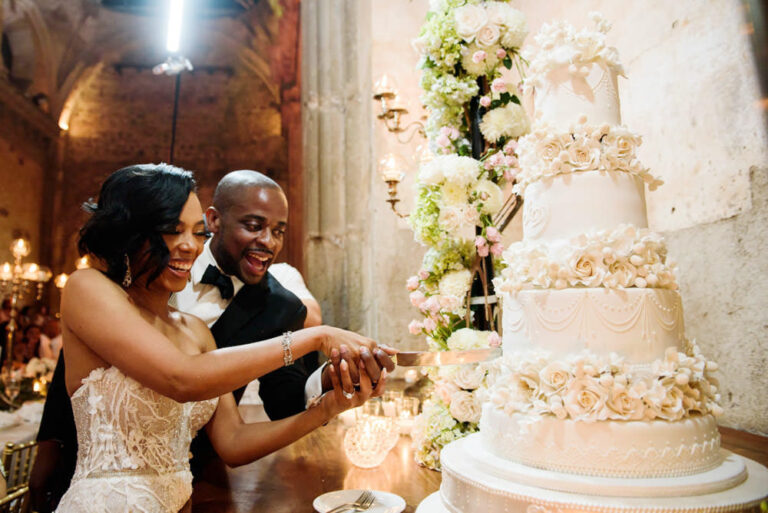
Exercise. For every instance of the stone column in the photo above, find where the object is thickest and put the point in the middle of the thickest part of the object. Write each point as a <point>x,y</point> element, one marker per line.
<point>337,135</point>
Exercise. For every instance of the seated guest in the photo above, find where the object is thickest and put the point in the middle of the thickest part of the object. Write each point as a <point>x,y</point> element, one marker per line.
<point>50,340</point>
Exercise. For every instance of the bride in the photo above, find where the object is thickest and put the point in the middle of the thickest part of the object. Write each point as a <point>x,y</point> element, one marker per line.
<point>144,377</point>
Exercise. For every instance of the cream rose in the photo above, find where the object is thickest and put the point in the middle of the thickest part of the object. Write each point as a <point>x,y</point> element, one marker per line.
<point>624,272</point>
<point>488,35</point>
<point>554,378</point>
<point>469,377</point>
<point>582,157</point>
<point>469,20</point>
<point>454,194</point>
<point>586,269</point>
<point>585,399</point>
<point>623,405</point>
<point>464,407</point>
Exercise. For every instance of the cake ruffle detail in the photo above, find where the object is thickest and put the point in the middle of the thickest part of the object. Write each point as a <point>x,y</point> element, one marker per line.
<point>547,152</point>
<point>624,257</point>
<point>589,387</point>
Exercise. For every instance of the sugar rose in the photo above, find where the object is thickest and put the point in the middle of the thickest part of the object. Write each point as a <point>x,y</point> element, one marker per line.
<point>468,377</point>
<point>554,377</point>
<point>585,399</point>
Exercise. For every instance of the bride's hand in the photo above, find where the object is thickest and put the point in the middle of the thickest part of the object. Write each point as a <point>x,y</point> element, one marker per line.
<point>347,343</point>
<point>339,400</point>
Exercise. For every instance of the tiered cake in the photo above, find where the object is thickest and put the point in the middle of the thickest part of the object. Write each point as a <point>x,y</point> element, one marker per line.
<point>600,403</point>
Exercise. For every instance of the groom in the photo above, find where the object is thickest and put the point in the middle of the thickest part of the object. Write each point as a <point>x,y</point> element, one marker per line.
<point>231,290</point>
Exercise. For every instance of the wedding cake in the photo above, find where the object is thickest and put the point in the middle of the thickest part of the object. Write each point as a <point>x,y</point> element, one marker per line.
<point>599,403</point>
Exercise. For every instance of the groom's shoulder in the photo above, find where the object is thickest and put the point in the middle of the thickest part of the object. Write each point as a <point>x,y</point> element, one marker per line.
<point>278,293</point>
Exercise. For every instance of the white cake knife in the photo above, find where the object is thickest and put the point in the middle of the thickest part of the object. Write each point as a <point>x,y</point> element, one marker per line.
<point>435,358</point>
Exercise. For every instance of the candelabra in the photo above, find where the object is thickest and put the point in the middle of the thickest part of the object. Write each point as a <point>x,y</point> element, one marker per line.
<point>18,278</point>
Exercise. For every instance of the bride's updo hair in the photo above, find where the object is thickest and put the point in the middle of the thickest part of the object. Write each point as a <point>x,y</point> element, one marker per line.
<point>137,204</point>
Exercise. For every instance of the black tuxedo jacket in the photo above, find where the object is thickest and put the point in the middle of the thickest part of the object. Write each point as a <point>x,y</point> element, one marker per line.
<point>257,312</point>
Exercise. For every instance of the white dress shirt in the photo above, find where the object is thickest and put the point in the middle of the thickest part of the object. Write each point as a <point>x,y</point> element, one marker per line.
<point>204,301</point>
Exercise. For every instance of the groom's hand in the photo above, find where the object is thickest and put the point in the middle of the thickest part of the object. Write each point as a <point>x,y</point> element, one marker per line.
<point>372,363</point>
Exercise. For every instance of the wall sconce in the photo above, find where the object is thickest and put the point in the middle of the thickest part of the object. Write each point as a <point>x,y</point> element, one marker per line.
<point>392,169</point>
<point>393,109</point>
<point>83,262</point>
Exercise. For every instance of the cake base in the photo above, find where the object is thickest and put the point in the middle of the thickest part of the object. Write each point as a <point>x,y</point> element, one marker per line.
<point>469,487</point>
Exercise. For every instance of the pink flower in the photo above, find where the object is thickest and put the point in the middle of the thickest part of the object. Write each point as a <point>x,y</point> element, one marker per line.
<point>423,274</point>
<point>493,234</point>
<point>488,164</point>
<point>412,283</point>
<point>479,56</point>
<point>501,53</point>
<point>449,303</point>
<point>482,251</point>
<point>480,242</point>
<point>415,327</point>
<point>454,133</point>
<point>510,174</point>
<point>432,305</point>
<point>494,340</point>
<point>497,159</point>
<point>417,298</point>
<point>497,249</point>
<point>430,324</point>
<point>445,130</point>
<point>442,140</point>
<point>498,85</point>
<point>485,101</point>
<point>510,147</point>
<point>510,161</point>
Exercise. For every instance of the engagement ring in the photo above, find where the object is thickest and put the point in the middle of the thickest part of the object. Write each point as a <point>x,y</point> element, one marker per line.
<point>348,395</point>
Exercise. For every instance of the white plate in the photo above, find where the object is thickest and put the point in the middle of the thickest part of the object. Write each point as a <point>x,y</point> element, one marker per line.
<point>385,502</point>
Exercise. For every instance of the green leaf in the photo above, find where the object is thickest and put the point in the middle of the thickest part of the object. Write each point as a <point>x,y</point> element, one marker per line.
<point>507,62</point>
<point>515,99</point>
<point>505,98</point>
<point>495,104</point>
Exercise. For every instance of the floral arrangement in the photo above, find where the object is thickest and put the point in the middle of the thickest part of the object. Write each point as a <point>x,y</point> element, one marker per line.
<point>624,257</point>
<point>588,387</point>
<point>453,411</point>
<point>466,48</point>
<point>546,153</point>
<point>559,44</point>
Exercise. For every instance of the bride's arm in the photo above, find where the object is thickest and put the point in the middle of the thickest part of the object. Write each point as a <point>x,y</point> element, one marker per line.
<point>100,314</point>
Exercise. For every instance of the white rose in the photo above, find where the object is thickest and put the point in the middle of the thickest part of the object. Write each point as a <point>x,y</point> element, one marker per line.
<point>496,12</point>
<point>488,35</point>
<point>455,283</point>
<point>454,194</point>
<point>451,219</point>
<point>623,405</point>
<point>515,28</point>
<point>464,407</point>
<point>583,158</point>
<point>585,399</point>
<point>490,195</point>
<point>587,269</point>
<point>671,406</point>
<point>469,377</point>
<point>469,20</point>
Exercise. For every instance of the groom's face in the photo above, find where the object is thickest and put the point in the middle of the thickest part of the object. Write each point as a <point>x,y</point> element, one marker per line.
<point>248,235</point>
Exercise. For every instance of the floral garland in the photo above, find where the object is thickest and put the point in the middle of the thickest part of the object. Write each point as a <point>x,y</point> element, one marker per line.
<point>588,387</point>
<point>465,46</point>
<point>624,257</point>
<point>546,153</point>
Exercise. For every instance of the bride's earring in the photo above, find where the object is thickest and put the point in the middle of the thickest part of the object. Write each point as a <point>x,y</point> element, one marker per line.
<point>127,279</point>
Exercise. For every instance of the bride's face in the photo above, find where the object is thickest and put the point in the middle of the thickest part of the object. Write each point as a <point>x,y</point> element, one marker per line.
<point>185,243</point>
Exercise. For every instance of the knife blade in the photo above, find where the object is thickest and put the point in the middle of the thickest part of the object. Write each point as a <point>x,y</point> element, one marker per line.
<point>436,358</point>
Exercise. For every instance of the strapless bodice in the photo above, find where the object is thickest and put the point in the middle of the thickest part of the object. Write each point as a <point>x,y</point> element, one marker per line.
<point>133,446</point>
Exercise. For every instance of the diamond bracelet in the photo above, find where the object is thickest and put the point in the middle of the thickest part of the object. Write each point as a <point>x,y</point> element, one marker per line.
<point>286,343</point>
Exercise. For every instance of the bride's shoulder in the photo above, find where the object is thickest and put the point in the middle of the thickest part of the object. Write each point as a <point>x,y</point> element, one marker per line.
<point>91,282</point>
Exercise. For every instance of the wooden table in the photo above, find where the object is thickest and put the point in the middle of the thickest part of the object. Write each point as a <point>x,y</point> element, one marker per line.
<point>290,479</point>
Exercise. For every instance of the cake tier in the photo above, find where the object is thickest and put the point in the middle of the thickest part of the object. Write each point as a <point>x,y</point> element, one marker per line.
<point>564,206</point>
<point>568,92</point>
<point>635,449</point>
<point>476,481</point>
<point>638,324</point>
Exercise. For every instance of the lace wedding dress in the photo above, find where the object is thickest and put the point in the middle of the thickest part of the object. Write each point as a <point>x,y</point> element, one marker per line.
<point>133,447</point>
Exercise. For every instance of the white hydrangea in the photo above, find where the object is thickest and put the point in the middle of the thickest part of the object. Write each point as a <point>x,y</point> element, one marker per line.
<point>455,283</point>
<point>508,121</point>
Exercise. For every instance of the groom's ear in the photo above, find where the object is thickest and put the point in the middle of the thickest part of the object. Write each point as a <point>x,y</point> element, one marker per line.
<point>212,219</point>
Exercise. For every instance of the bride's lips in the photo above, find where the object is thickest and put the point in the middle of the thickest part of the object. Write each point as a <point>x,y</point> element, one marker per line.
<point>258,261</point>
<point>180,267</point>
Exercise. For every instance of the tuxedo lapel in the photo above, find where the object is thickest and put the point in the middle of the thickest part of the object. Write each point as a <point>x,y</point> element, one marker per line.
<point>247,303</point>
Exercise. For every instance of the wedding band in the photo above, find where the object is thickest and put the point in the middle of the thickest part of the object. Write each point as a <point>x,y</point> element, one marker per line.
<point>347,395</point>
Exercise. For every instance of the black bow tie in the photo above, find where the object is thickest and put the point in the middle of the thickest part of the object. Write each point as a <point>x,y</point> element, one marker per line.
<point>212,276</point>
